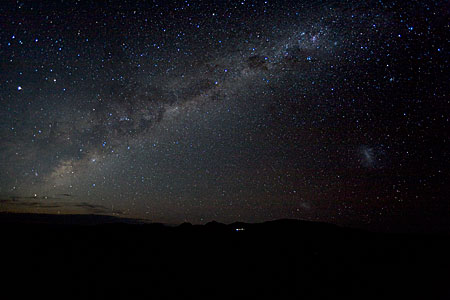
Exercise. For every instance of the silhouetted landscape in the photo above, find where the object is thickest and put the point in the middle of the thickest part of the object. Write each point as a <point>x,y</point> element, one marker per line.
<point>100,256</point>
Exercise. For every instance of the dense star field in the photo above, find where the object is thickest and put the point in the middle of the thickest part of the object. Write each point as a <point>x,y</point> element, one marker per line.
<point>175,111</point>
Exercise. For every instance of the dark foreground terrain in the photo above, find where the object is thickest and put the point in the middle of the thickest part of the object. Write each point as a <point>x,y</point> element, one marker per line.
<point>96,257</point>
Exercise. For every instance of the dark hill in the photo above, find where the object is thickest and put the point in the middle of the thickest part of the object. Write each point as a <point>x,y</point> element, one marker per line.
<point>276,259</point>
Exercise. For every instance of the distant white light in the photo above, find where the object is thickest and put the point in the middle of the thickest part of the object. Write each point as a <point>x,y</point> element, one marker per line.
<point>19,88</point>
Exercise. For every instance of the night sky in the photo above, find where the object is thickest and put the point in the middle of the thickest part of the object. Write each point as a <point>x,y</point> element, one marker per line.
<point>175,111</point>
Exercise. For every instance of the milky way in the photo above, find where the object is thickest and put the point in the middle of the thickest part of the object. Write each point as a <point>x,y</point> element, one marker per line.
<point>232,111</point>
